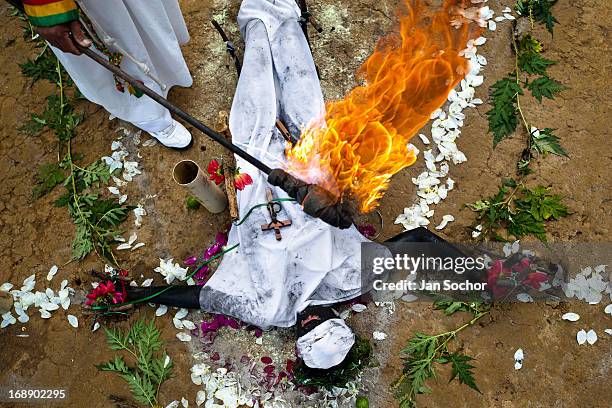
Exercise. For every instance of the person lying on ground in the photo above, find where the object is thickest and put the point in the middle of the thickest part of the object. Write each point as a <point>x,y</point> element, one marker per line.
<point>144,38</point>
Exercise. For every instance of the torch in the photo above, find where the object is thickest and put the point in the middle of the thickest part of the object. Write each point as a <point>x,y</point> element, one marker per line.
<point>315,200</point>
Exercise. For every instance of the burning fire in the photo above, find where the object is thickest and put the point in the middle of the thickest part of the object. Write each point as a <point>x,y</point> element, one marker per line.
<point>362,141</point>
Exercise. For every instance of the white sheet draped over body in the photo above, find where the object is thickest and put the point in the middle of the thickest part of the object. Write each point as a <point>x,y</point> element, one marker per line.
<point>152,32</point>
<point>267,282</point>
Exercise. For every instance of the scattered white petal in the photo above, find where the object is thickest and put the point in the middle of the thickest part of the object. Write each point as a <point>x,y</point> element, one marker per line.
<point>167,361</point>
<point>182,313</point>
<point>178,323</point>
<point>184,403</point>
<point>200,397</point>
<point>123,199</point>
<point>591,337</point>
<point>52,272</point>
<point>358,308</point>
<point>173,404</point>
<point>608,331</point>
<point>95,327</point>
<point>572,317</point>
<point>74,322</point>
<point>379,335</point>
<point>581,337</point>
<point>477,231</point>
<point>44,314</point>
<point>6,287</point>
<point>161,310</point>
<point>188,324</point>
<point>183,336</point>
<point>123,246</point>
<point>7,319</point>
<point>608,309</point>
<point>147,282</point>
<point>149,143</point>
<point>524,297</point>
<point>445,220</point>
<point>424,139</point>
<point>114,190</point>
<point>138,245</point>
<point>132,238</point>
<point>492,25</point>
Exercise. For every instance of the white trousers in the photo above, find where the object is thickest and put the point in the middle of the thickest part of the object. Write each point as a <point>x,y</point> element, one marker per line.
<point>152,32</point>
<point>266,282</point>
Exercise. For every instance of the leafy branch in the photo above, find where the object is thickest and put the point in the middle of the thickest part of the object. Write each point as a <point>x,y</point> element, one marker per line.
<point>149,370</point>
<point>519,210</point>
<point>530,73</point>
<point>425,352</point>
<point>96,219</point>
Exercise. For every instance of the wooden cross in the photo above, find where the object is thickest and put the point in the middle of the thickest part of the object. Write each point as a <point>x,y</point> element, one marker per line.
<point>274,208</point>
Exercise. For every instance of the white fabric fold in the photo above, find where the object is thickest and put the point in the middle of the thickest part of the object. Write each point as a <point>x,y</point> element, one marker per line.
<point>326,345</point>
<point>266,282</point>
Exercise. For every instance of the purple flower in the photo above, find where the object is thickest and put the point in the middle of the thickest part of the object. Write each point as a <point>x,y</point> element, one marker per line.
<point>191,260</point>
<point>221,238</point>
<point>367,230</point>
<point>202,273</point>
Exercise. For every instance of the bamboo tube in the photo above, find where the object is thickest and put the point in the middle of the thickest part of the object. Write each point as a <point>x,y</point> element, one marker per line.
<point>188,174</point>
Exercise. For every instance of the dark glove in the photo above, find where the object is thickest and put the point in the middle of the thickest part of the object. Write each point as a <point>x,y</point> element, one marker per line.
<point>316,201</point>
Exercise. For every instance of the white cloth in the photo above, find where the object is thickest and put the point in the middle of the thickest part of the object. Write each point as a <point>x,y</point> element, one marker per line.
<point>152,32</point>
<point>326,345</point>
<point>267,282</point>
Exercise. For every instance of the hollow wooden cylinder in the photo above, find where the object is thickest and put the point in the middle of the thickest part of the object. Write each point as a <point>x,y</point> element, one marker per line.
<point>188,174</point>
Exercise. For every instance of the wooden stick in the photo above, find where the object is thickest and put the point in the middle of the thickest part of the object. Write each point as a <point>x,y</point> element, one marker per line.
<point>229,167</point>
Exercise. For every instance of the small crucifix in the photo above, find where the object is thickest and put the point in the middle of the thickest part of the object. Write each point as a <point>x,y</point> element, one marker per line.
<point>274,208</point>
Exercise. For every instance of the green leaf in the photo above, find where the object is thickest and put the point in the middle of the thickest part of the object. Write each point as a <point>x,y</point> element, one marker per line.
<point>503,114</point>
<point>521,211</point>
<point>533,63</point>
<point>546,142</point>
<point>462,370</point>
<point>49,176</point>
<point>545,87</point>
<point>539,11</point>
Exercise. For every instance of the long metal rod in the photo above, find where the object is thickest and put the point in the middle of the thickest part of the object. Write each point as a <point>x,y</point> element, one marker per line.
<point>217,137</point>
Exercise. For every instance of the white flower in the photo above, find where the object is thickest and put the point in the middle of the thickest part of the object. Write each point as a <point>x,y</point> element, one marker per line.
<point>171,271</point>
<point>183,336</point>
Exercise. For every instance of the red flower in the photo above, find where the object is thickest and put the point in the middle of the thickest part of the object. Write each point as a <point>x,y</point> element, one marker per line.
<point>534,279</point>
<point>241,180</point>
<point>522,266</point>
<point>104,294</point>
<point>495,273</point>
<point>216,172</point>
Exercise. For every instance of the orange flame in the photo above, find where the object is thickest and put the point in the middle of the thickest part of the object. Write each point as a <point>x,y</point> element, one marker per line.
<point>362,141</point>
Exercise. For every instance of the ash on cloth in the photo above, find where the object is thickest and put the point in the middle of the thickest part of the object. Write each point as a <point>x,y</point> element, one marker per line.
<point>266,282</point>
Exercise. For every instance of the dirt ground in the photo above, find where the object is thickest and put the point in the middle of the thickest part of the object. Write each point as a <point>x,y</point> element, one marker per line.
<point>557,372</point>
